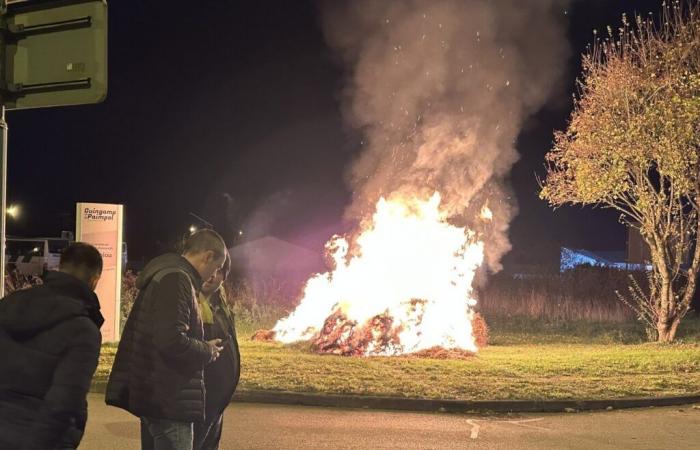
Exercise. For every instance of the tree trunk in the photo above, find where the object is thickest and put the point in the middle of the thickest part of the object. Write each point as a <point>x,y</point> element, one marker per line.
<point>664,304</point>
<point>667,329</point>
<point>663,308</point>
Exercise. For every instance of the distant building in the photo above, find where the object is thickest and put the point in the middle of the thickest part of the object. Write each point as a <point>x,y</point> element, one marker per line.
<point>573,257</point>
<point>637,255</point>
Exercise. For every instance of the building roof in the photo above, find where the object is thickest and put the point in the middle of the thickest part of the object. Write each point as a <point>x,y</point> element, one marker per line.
<point>572,257</point>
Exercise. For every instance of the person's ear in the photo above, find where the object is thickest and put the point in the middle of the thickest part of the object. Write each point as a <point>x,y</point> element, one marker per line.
<point>94,280</point>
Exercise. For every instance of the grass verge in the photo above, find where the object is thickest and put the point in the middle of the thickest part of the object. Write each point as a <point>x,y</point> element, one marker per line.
<point>540,364</point>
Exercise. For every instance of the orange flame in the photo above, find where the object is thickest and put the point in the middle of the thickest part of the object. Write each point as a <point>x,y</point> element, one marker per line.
<point>407,252</point>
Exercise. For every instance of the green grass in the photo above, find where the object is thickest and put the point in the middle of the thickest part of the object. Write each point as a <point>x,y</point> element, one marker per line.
<point>526,361</point>
<point>521,330</point>
<point>543,371</point>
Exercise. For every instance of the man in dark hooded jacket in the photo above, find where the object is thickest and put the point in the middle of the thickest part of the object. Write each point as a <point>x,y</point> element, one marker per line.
<point>49,348</point>
<point>158,369</point>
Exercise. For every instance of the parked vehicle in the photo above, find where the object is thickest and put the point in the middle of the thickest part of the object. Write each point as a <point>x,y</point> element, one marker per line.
<point>33,256</point>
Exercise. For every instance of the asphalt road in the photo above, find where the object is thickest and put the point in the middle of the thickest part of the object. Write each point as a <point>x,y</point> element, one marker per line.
<point>258,426</point>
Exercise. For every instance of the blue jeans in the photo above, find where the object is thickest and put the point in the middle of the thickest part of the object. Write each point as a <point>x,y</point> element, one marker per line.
<point>159,434</point>
<point>208,435</point>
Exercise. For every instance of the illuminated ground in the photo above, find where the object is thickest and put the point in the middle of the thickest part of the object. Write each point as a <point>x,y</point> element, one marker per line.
<point>510,370</point>
<point>255,426</point>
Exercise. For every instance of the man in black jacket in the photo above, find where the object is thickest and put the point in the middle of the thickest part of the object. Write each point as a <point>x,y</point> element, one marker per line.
<point>49,348</point>
<point>157,373</point>
<point>220,377</point>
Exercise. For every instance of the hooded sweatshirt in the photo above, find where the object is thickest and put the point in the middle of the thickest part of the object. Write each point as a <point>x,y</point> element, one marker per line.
<point>49,349</point>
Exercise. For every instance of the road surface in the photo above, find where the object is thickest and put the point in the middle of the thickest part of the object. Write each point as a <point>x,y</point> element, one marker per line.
<point>258,426</point>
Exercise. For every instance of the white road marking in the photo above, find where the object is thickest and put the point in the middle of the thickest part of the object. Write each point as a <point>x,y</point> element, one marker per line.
<point>525,423</point>
<point>475,428</point>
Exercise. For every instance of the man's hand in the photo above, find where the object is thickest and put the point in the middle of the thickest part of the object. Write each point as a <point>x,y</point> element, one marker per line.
<point>215,348</point>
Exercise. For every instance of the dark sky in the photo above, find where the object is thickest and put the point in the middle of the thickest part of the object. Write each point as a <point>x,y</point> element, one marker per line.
<point>242,98</point>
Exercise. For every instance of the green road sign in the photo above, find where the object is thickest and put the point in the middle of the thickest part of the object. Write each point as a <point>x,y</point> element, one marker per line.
<point>55,53</point>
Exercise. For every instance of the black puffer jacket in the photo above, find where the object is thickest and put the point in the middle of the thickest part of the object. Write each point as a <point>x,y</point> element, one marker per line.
<point>221,377</point>
<point>157,370</point>
<point>49,349</point>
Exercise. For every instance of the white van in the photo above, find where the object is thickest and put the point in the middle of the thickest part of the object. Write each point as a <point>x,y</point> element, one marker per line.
<point>32,256</point>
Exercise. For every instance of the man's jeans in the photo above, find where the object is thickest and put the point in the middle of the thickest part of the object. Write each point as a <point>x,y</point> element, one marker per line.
<point>208,435</point>
<point>158,434</point>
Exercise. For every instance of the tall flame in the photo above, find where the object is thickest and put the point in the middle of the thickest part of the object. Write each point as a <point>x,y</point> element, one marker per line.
<point>408,264</point>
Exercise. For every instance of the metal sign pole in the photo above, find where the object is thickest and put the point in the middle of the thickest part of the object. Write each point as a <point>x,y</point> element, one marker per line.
<point>3,150</point>
<point>3,195</point>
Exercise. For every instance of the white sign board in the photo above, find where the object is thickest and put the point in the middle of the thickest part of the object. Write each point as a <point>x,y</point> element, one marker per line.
<point>101,225</point>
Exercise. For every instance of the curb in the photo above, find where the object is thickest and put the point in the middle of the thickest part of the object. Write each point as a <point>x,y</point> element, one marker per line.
<point>456,406</point>
<point>453,406</point>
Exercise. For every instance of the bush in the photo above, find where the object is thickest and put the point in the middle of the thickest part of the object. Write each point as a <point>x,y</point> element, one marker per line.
<point>128,296</point>
<point>15,281</point>
<point>582,294</point>
<point>254,308</point>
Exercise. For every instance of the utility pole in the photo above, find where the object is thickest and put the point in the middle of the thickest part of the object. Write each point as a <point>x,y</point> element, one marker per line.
<point>3,147</point>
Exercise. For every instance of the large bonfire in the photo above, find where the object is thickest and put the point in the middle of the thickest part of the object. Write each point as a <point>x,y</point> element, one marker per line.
<point>404,285</point>
<point>439,90</point>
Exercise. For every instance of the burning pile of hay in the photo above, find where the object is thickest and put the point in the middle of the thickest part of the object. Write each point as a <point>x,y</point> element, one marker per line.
<point>343,337</point>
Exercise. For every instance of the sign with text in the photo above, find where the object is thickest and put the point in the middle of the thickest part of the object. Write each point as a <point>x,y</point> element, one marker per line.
<point>101,225</point>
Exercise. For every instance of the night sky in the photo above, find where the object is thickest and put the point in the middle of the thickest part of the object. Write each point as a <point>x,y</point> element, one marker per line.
<point>230,110</point>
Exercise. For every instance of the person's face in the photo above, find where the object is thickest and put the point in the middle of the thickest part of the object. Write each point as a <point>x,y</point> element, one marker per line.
<point>214,282</point>
<point>211,264</point>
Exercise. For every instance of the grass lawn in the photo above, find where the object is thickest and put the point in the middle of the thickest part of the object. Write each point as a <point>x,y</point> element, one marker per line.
<point>546,363</point>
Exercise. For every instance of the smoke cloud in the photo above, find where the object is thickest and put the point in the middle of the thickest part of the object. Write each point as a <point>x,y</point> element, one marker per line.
<point>440,89</point>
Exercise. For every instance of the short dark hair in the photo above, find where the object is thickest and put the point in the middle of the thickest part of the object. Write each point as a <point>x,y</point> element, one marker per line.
<point>81,255</point>
<point>204,241</point>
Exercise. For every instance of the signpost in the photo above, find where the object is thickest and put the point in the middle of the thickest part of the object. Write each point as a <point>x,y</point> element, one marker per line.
<point>51,54</point>
<point>101,225</point>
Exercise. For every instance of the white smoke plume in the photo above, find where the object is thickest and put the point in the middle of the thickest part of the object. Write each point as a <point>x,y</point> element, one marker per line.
<point>440,89</point>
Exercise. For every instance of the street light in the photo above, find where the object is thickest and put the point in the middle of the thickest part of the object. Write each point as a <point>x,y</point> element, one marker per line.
<point>193,229</point>
<point>13,211</point>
